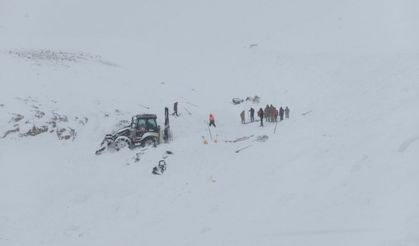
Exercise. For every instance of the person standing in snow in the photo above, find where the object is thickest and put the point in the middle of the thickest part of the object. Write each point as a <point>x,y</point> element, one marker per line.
<point>166,112</point>
<point>212,120</point>
<point>281,114</point>
<point>260,114</point>
<point>175,109</point>
<point>252,114</point>
<point>267,113</point>
<point>287,112</point>
<point>272,113</point>
<point>242,116</point>
<point>275,114</point>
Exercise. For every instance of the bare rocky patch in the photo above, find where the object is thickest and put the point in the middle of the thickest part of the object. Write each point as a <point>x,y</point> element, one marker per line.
<point>56,57</point>
<point>39,120</point>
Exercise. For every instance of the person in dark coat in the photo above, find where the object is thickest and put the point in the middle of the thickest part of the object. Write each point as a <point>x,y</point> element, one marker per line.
<point>287,112</point>
<point>281,114</point>
<point>175,109</point>
<point>166,112</point>
<point>252,114</point>
<point>260,114</point>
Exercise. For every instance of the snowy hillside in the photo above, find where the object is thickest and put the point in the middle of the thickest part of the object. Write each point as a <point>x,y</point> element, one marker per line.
<point>343,170</point>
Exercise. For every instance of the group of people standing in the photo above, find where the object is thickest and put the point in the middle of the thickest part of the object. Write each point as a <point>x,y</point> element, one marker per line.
<point>270,114</point>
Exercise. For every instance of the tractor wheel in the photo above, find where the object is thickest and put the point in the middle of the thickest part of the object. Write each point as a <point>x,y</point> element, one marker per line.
<point>122,143</point>
<point>150,141</point>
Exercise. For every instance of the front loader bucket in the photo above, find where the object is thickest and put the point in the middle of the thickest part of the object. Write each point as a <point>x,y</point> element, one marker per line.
<point>106,144</point>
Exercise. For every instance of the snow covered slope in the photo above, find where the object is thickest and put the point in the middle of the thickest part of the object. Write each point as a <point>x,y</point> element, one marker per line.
<point>343,170</point>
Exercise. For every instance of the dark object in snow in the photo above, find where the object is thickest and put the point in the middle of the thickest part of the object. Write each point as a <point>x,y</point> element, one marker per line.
<point>241,149</point>
<point>306,113</point>
<point>252,114</point>
<point>262,138</point>
<point>281,114</point>
<point>156,171</point>
<point>255,99</point>
<point>36,131</point>
<point>260,114</point>
<point>166,132</point>
<point>142,131</point>
<point>287,112</point>
<point>175,109</point>
<point>237,100</point>
<point>253,46</point>
<point>160,168</point>
<point>59,118</point>
<point>239,139</point>
<point>166,154</point>
<point>39,114</point>
<point>17,118</point>
<point>66,134</point>
<point>10,131</point>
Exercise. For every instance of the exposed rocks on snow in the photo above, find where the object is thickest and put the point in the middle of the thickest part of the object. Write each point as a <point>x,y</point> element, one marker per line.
<point>34,131</point>
<point>59,118</point>
<point>262,138</point>
<point>56,57</point>
<point>66,133</point>
<point>255,99</point>
<point>39,114</point>
<point>39,120</point>
<point>16,118</point>
<point>83,121</point>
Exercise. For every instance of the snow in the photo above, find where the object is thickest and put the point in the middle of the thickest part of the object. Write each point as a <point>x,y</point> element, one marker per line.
<point>343,170</point>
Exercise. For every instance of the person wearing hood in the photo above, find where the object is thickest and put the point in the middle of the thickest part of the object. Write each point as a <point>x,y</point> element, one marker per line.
<point>287,112</point>
<point>260,114</point>
<point>212,120</point>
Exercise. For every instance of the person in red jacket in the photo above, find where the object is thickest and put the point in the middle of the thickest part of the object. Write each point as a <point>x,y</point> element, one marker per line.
<point>212,120</point>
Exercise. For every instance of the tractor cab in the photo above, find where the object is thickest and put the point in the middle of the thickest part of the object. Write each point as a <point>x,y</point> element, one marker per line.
<point>145,126</point>
<point>146,122</point>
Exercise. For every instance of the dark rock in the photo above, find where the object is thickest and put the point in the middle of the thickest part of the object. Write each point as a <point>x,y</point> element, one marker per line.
<point>39,114</point>
<point>17,118</point>
<point>36,131</point>
<point>66,134</point>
